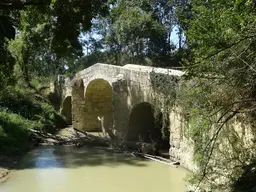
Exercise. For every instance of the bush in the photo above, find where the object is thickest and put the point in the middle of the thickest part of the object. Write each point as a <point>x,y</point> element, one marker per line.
<point>21,110</point>
<point>14,134</point>
<point>28,105</point>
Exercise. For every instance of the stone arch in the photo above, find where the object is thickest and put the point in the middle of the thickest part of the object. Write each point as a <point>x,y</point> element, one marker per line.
<point>141,122</point>
<point>67,109</point>
<point>98,103</point>
<point>78,104</point>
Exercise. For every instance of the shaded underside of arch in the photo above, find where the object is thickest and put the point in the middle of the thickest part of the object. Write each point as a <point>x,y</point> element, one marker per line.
<point>98,103</point>
<point>141,123</point>
<point>67,109</point>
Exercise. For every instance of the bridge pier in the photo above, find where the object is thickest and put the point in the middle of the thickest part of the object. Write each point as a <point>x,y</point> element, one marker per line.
<point>124,96</point>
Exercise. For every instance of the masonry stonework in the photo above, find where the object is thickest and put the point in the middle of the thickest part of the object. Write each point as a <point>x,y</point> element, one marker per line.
<point>124,96</point>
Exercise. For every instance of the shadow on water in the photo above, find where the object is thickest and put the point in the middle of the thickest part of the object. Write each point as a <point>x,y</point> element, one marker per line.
<point>71,157</point>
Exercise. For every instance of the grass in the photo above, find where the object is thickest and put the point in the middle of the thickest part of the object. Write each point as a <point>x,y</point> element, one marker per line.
<point>14,134</point>
<point>21,110</point>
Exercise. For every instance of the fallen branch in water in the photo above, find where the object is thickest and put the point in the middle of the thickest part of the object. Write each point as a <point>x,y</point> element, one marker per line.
<point>158,159</point>
<point>79,131</point>
<point>80,141</point>
<point>86,139</point>
<point>46,135</point>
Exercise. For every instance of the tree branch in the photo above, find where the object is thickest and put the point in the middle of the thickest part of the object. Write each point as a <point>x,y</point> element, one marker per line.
<point>20,5</point>
<point>214,140</point>
<point>223,49</point>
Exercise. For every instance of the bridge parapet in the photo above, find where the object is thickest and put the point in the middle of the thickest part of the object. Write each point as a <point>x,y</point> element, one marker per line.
<point>136,73</point>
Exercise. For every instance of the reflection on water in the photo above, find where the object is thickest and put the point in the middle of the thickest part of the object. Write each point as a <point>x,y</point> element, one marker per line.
<point>66,169</point>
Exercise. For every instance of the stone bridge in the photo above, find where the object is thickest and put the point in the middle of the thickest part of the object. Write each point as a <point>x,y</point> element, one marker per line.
<point>126,99</point>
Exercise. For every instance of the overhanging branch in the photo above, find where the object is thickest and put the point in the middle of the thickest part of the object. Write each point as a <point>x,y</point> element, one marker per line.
<point>212,142</point>
<point>20,5</point>
<point>224,49</point>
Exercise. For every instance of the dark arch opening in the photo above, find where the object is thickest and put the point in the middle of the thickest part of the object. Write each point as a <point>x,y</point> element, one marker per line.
<point>162,130</point>
<point>142,125</point>
<point>98,103</point>
<point>67,109</point>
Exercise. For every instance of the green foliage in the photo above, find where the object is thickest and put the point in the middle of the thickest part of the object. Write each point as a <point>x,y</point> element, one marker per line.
<point>26,104</point>
<point>32,48</point>
<point>137,32</point>
<point>58,14</point>
<point>6,66</point>
<point>21,110</point>
<point>132,24</point>
<point>216,116</point>
<point>165,86</point>
<point>218,97</point>
<point>14,134</point>
<point>41,46</point>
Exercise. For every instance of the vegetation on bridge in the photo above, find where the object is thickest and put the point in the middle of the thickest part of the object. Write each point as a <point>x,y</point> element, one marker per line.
<point>165,87</point>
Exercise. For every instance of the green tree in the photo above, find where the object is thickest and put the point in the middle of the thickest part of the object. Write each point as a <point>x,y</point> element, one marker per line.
<point>138,32</point>
<point>221,35</point>
<point>47,33</point>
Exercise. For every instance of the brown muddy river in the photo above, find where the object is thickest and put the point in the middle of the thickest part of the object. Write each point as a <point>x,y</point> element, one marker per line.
<point>69,169</point>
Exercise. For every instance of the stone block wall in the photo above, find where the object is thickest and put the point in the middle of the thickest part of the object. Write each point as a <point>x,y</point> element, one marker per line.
<point>181,146</point>
<point>130,86</point>
<point>78,104</point>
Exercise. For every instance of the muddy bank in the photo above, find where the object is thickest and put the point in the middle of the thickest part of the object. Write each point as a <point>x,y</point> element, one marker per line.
<point>3,174</point>
<point>6,164</point>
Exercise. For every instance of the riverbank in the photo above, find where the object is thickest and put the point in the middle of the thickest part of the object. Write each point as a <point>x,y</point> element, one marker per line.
<point>6,164</point>
<point>3,174</point>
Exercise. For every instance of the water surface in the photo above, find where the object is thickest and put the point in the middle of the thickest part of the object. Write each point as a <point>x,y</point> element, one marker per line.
<point>69,169</point>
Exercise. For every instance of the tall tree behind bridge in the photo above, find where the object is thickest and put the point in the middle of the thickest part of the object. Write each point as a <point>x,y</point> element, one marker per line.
<point>139,32</point>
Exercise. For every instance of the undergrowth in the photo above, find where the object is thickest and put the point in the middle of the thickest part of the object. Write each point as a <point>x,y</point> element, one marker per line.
<point>21,110</point>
